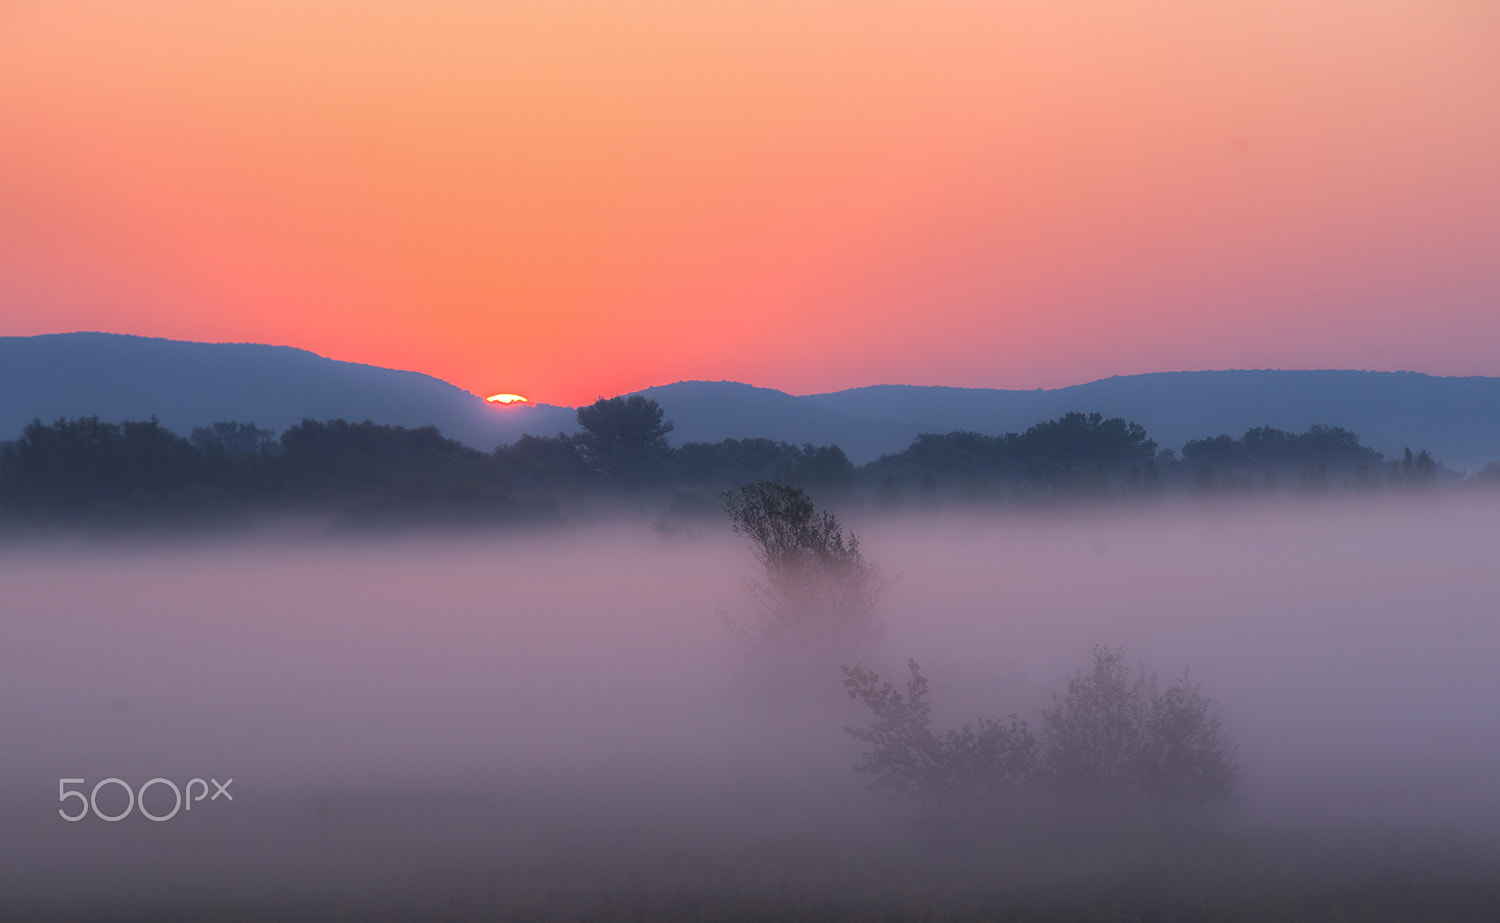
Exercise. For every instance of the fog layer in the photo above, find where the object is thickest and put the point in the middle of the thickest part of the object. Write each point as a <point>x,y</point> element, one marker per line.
<point>398,712</point>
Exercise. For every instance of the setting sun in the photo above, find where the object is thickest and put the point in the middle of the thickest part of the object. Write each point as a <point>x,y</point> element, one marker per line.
<point>506,399</point>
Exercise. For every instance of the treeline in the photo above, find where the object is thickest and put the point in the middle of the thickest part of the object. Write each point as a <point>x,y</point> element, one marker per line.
<point>89,469</point>
<point>1086,456</point>
<point>372,473</point>
<point>1076,455</point>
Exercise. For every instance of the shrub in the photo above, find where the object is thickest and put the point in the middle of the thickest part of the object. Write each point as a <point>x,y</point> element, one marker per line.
<point>1116,734</point>
<point>991,760</point>
<point>1112,738</point>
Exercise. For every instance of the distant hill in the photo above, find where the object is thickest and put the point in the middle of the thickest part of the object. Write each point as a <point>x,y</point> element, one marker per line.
<point>189,384</point>
<point>1458,419</point>
<point>711,411</point>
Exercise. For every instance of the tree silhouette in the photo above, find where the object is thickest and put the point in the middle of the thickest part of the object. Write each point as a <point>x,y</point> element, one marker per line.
<point>1077,455</point>
<point>79,466</point>
<point>993,760</point>
<point>232,438</point>
<point>1113,738</point>
<point>1321,453</point>
<point>1116,734</point>
<point>625,439</point>
<point>817,592</point>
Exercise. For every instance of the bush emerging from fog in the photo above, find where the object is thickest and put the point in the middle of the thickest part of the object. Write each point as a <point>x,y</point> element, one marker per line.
<point>1117,733</point>
<point>1113,738</point>
<point>817,593</point>
<point>994,759</point>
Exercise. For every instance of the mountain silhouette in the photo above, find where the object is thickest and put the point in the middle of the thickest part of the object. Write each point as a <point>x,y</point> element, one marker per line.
<point>1458,419</point>
<point>185,384</point>
<point>711,411</point>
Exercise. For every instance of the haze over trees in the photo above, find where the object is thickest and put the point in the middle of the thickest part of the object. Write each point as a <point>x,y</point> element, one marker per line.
<point>191,385</point>
<point>574,678</point>
<point>1113,741</point>
<point>1075,455</point>
<point>1121,778</point>
<point>817,593</point>
<point>76,466</point>
<point>86,468</point>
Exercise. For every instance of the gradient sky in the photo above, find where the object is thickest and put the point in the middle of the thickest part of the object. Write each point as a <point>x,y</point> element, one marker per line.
<point>568,199</point>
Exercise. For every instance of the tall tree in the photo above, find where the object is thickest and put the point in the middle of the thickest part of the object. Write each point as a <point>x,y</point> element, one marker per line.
<point>625,438</point>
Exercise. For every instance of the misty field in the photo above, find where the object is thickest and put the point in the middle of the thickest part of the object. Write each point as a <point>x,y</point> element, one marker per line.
<point>544,724</point>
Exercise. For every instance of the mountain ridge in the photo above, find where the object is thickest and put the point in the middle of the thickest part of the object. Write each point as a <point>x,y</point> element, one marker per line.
<point>187,384</point>
<point>1457,417</point>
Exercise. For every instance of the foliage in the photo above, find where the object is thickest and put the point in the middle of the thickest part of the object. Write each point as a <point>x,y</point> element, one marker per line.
<point>233,438</point>
<point>625,438</point>
<point>332,463</point>
<point>817,592</point>
<point>1071,440</point>
<point>1111,738</point>
<point>991,759</point>
<point>817,468</point>
<point>733,462</point>
<point>141,472</point>
<point>78,466</point>
<point>1265,447</point>
<point>1419,470</point>
<point>1076,455</point>
<point>77,470</point>
<point>1115,733</point>
<point>1266,455</point>
<point>542,461</point>
<point>1078,438</point>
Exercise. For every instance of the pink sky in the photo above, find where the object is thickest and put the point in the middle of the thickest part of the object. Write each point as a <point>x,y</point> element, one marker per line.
<point>567,200</point>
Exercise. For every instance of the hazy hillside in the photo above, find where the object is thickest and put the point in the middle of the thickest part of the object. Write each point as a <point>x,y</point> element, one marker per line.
<point>189,384</point>
<point>1457,418</point>
<point>192,384</point>
<point>710,411</point>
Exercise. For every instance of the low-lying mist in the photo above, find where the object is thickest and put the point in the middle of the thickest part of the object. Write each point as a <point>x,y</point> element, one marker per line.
<point>550,719</point>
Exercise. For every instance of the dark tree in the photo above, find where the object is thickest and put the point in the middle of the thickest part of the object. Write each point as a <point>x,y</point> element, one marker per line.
<point>75,466</point>
<point>1075,456</point>
<point>551,461</point>
<point>817,592</point>
<point>237,458</point>
<point>733,462</point>
<point>1313,457</point>
<point>330,464</point>
<point>818,468</point>
<point>1079,439</point>
<point>232,438</point>
<point>625,438</point>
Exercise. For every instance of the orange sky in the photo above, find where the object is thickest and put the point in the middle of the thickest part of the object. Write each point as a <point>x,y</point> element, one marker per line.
<point>568,199</point>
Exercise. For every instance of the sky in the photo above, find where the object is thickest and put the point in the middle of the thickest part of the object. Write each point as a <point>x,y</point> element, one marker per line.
<point>573,198</point>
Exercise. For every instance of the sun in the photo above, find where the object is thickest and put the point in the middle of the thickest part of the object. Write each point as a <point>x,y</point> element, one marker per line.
<point>506,399</point>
